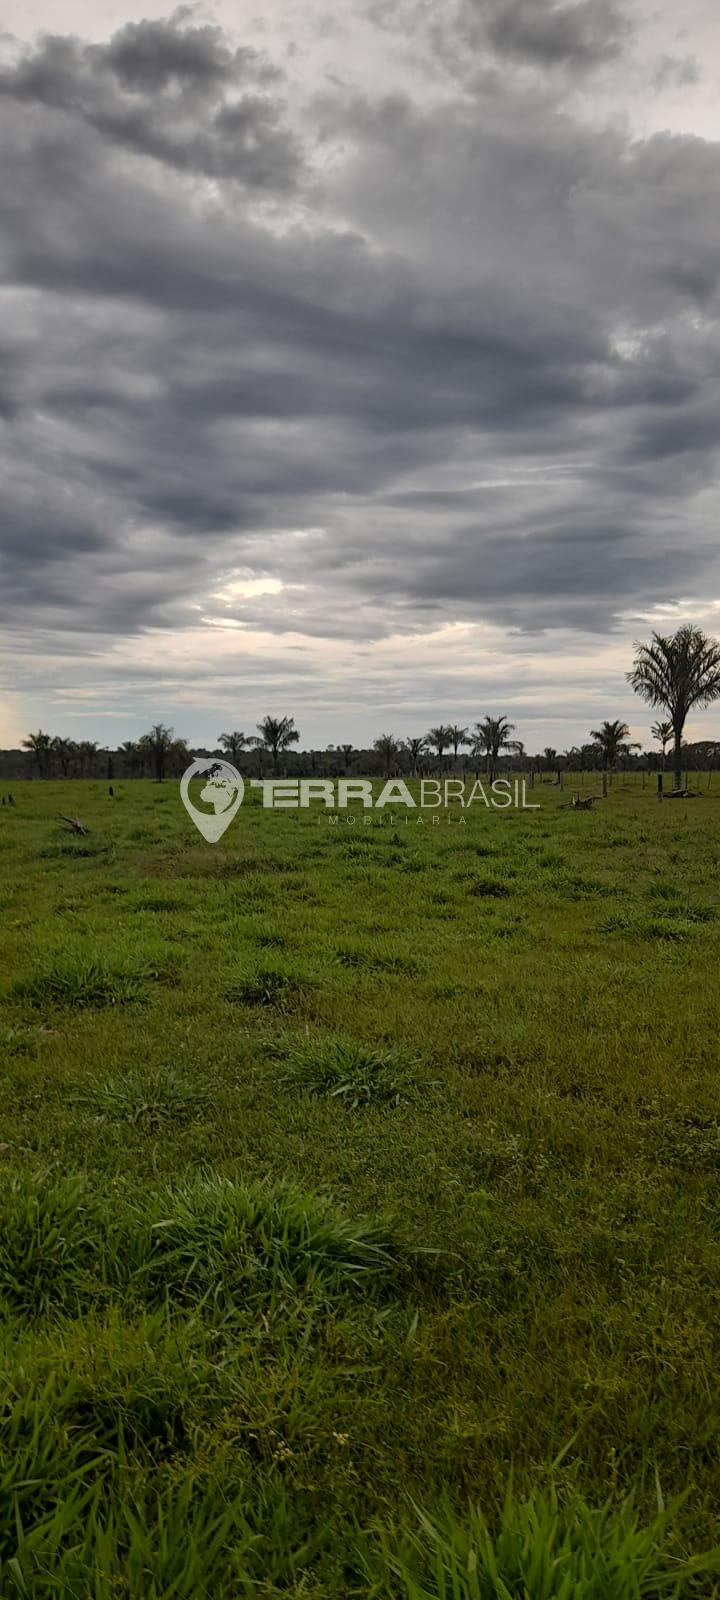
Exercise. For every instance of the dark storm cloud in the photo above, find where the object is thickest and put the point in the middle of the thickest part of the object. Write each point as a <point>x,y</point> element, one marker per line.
<point>581,35</point>
<point>168,91</point>
<point>475,40</point>
<point>469,371</point>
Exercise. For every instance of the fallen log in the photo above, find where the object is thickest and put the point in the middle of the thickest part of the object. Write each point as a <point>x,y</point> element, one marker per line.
<point>74,823</point>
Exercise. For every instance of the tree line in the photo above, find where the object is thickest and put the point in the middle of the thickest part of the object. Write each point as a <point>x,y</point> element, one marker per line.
<point>673,674</point>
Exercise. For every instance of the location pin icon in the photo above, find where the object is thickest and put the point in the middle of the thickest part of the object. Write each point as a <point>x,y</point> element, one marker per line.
<point>224,791</point>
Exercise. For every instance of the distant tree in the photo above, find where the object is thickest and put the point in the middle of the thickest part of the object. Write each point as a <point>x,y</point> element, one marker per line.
<point>662,731</point>
<point>275,734</point>
<point>677,672</point>
<point>457,736</point>
<point>178,758</point>
<point>387,747</point>
<point>590,757</point>
<point>133,757</point>
<point>439,739</point>
<point>233,744</point>
<point>490,737</point>
<point>87,755</point>
<point>64,751</point>
<point>415,748</point>
<point>157,745</point>
<point>40,746</point>
<point>347,750</point>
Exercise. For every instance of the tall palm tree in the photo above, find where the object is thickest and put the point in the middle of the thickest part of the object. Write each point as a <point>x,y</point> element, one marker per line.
<point>233,744</point>
<point>490,737</point>
<point>676,672</point>
<point>611,740</point>
<point>439,739</point>
<point>39,744</point>
<point>457,736</point>
<point>275,734</point>
<point>387,747</point>
<point>662,731</point>
<point>415,748</point>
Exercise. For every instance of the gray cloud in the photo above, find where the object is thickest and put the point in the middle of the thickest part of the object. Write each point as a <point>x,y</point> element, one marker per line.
<point>581,35</point>
<point>468,372</point>
<point>676,71</point>
<point>171,92</point>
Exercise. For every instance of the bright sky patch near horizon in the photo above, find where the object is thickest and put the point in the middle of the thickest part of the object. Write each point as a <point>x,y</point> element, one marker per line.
<point>358,363</point>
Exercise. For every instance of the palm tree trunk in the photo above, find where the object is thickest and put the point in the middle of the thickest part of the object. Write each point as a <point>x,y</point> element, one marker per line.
<point>678,757</point>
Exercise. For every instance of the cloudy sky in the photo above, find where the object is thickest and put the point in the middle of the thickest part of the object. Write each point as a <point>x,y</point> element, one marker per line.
<point>358,362</point>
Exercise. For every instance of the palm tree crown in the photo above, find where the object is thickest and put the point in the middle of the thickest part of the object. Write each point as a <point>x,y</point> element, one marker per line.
<point>490,737</point>
<point>662,731</point>
<point>39,744</point>
<point>233,744</point>
<point>275,734</point>
<point>457,737</point>
<point>439,739</point>
<point>611,738</point>
<point>387,747</point>
<point>415,748</point>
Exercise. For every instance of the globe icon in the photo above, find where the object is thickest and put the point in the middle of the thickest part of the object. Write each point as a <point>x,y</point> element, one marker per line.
<point>221,787</point>
<point>222,793</point>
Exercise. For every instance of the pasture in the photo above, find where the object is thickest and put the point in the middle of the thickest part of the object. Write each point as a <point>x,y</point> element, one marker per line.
<point>351,1174</point>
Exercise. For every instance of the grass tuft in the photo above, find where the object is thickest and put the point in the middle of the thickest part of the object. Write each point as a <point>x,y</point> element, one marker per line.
<point>545,1549</point>
<point>145,1099</point>
<point>489,889</point>
<point>88,984</point>
<point>354,1074</point>
<point>266,987</point>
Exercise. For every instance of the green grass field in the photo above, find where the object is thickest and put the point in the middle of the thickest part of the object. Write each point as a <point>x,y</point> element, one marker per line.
<point>357,1182</point>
